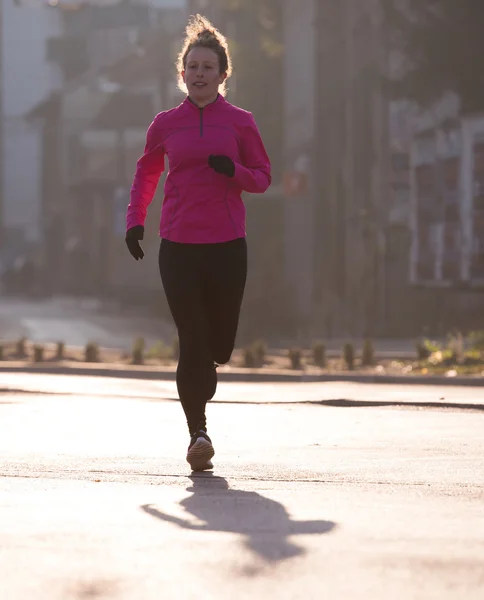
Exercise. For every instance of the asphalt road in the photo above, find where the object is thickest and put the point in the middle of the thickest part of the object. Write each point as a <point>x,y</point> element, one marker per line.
<point>311,497</point>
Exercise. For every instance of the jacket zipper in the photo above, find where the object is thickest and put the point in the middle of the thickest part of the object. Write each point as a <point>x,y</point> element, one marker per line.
<point>201,122</point>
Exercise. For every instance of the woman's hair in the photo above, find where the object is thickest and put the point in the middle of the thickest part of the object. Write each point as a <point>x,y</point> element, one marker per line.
<point>200,33</point>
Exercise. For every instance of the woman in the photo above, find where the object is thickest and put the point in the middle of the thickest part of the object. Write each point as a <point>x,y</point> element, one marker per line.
<point>214,152</point>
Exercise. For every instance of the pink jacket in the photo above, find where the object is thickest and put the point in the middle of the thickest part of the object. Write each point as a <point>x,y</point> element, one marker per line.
<point>200,206</point>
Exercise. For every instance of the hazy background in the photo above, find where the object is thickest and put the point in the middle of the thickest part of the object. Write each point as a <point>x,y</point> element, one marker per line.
<point>371,114</point>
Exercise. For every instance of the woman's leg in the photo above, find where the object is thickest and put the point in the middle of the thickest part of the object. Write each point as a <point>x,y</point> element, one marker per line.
<point>224,292</point>
<point>183,274</point>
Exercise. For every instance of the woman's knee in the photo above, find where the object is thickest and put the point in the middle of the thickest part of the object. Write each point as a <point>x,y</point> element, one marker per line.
<point>222,356</point>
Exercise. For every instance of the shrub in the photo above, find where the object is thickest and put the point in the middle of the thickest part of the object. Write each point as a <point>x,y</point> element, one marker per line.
<point>319,354</point>
<point>2,354</point>
<point>22,347</point>
<point>259,350</point>
<point>476,340</point>
<point>60,351</point>
<point>91,353</point>
<point>295,358</point>
<point>349,356</point>
<point>425,348</point>
<point>368,354</point>
<point>138,351</point>
<point>38,353</point>
<point>456,347</point>
<point>249,358</point>
<point>437,358</point>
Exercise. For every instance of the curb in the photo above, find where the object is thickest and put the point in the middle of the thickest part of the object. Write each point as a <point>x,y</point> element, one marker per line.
<point>241,375</point>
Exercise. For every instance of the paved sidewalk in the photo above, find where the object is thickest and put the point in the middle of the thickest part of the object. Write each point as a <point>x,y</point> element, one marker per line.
<point>228,373</point>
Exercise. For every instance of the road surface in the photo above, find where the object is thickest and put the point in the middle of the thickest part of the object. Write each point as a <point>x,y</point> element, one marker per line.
<point>308,499</point>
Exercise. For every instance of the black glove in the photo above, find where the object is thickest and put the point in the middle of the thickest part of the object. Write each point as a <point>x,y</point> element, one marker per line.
<point>133,236</point>
<point>222,164</point>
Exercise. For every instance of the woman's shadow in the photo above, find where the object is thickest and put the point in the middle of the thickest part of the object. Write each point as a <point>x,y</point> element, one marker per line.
<point>263,522</point>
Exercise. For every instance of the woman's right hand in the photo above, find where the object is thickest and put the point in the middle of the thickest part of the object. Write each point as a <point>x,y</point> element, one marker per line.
<point>133,236</point>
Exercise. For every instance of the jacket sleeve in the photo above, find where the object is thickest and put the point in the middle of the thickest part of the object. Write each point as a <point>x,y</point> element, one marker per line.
<point>148,171</point>
<point>253,173</point>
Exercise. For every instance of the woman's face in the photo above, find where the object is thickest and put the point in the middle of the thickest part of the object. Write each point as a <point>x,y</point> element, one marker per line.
<point>202,75</point>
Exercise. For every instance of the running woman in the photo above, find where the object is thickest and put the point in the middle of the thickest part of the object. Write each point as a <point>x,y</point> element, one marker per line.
<point>215,152</point>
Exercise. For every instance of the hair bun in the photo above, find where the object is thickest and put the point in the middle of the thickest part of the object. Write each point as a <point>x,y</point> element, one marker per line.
<point>206,33</point>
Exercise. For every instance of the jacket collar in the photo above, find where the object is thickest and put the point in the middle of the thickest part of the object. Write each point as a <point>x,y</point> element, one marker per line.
<point>218,100</point>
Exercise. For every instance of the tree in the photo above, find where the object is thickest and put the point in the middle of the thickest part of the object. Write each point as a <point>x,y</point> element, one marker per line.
<point>255,32</point>
<point>441,43</point>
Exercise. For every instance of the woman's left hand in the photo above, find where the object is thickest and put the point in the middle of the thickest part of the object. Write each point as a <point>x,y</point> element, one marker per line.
<point>222,164</point>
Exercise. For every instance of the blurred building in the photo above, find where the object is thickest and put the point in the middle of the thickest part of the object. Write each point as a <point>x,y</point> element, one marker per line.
<point>336,164</point>
<point>27,77</point>
<point>446,216</point>
<point>401,299</point>
<point>117,65</point>
<point>300,84</point>
<point>434,254</point>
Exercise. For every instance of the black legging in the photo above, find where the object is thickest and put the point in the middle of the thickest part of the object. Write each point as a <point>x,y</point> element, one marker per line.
<point>204,285</point>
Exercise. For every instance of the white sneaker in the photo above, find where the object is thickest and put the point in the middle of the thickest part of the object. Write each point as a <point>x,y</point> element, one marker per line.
<point>200,451</point>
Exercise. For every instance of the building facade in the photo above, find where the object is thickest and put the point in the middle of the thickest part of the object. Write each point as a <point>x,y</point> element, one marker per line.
<point>299,154</point>
<point>336,152</point>
<point>27,78</point>
<point>116,65</point>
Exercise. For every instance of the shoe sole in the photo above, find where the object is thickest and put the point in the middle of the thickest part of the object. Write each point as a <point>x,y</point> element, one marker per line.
<point>199,455</point>
<point>206,467</point>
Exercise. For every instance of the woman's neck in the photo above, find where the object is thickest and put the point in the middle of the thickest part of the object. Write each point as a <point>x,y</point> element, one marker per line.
<point>203,103</point>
